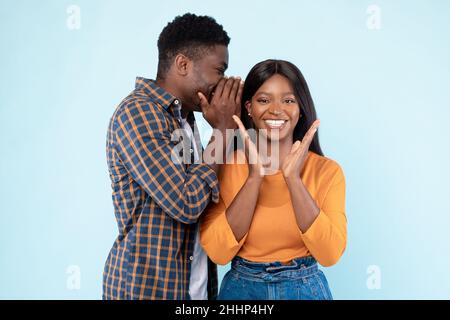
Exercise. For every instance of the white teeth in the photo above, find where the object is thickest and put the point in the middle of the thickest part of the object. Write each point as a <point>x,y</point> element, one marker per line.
<point>275,123</point>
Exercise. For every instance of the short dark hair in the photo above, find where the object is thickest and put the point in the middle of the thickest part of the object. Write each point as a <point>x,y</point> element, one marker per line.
<point>262,72</point>
<point>190,35</point>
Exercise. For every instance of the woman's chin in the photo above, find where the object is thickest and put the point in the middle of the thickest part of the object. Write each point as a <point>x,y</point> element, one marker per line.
<point>274,134</point>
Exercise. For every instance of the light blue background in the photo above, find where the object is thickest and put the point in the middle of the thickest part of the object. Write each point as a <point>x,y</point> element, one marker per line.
<point>382,97</point>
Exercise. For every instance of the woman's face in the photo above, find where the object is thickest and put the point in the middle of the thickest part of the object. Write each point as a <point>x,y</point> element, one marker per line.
<point>275,108</point>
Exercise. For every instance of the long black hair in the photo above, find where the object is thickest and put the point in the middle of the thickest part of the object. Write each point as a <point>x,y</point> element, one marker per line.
<point>266,69</point>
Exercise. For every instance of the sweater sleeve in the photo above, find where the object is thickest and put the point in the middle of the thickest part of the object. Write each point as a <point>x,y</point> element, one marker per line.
<point>216,236</point>
<point>326,238</point>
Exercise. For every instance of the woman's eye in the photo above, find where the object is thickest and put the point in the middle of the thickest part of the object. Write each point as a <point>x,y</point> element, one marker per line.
<point>289,101</point>
<point>262,100</point>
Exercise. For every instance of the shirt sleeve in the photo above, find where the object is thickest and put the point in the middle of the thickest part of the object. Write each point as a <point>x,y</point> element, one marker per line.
<point>326,238</point>
<point>216,236</point>
<point>143,142</point>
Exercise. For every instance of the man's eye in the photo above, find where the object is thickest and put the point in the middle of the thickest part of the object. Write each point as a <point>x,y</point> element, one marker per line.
<point>221,72</point>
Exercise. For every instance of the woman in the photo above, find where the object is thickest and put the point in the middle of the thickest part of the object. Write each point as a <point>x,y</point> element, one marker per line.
<point>275,225</point>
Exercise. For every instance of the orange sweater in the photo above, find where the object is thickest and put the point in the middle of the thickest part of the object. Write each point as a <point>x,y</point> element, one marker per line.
<point>274,234</point>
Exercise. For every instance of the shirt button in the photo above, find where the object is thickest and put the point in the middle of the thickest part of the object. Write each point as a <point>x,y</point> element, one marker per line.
<point>191,258</point>
<point>176,101</point>
<point>191,150</point>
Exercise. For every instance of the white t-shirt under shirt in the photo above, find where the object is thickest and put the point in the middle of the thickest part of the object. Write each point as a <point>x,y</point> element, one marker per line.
<point>199,261</point>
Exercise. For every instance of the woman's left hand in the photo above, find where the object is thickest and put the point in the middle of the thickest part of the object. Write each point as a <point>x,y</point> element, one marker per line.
<point>293,163</point>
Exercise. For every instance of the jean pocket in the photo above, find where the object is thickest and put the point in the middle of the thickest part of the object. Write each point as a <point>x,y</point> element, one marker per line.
<point>324,287</point>
<point>231,287</point>
<point>308,289</point>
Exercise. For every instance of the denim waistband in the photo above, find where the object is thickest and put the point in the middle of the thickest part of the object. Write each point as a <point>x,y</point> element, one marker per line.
<point>272,271</point>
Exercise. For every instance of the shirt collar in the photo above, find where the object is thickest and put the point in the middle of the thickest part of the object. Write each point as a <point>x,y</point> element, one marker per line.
<point>159,95</point>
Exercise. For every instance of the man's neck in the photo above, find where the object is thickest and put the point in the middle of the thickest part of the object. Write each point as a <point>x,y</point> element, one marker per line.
<point>167,87</point>
<point>184,113</point>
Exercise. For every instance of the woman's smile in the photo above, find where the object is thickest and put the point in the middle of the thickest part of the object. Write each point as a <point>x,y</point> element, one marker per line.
<point>278,124</point>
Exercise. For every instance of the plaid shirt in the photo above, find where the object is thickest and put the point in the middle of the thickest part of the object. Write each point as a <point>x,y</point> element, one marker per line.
<point>157,202</point>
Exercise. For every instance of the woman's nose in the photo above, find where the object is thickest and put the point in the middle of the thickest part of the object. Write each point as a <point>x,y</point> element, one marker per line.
<point>275,110</point>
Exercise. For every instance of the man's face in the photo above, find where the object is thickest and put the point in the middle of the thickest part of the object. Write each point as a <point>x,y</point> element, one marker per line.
<point>204,75</point>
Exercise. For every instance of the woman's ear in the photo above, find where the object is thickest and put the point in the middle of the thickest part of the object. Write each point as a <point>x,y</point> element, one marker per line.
<point>248,106</point>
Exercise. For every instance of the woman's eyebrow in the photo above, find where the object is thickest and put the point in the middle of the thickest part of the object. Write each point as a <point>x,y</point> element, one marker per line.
<point>269,94</point>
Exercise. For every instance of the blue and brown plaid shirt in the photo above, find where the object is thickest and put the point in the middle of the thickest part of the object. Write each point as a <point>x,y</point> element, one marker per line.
<point>157,202</point>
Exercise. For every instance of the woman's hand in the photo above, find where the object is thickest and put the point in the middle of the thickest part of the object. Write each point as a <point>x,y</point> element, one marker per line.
<point>256,163</point>
<point>293,163</point>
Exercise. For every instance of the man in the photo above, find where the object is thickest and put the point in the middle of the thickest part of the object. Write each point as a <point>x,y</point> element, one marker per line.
<point>157,201</point>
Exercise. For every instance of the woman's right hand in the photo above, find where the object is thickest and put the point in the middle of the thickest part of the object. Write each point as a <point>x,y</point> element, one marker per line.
<point>256,163</point>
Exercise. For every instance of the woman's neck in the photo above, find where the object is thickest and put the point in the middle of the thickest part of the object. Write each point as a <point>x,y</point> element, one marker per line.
<point>277,151</point>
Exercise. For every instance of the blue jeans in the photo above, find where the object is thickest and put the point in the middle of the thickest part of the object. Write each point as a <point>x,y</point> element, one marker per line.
<point>301,280</point>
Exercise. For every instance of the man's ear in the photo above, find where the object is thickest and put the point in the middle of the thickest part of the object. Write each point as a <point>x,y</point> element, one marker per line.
<point>182,64</point>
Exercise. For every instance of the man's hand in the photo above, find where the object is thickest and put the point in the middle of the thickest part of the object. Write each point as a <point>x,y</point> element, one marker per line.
<point>225,103</point>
